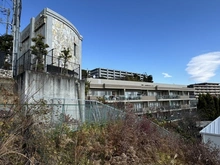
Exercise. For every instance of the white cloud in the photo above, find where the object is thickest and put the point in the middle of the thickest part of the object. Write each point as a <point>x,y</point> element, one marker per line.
<point>166,75</point>
<point>203,67</point>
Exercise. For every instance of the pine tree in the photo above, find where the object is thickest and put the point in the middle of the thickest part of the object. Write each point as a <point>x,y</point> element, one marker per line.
<point>40,52</point>
<point>65,55</point>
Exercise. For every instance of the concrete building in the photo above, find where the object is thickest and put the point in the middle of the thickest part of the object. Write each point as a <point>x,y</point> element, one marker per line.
<point>59,33</point>
<point>204,88</point>
<point>143,97</point>
<point>51,84</point>
<point>112,74</point>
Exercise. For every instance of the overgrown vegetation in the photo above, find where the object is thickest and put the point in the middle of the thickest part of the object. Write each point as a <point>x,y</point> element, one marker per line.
<point>6,46</point>
<point>87,87</point>
<point>26,139</point>
<point>186,128</point>
<point>135,77</point>
<point>208,107</point>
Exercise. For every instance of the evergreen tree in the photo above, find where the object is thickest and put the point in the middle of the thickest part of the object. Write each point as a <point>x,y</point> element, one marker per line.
<point>210,108</point>
<point>201,106</point>
<point>84,74</point>
<point>6,46</point>
<point>150,78</point>
<point>145,78</point>
<point>136,77</point>
<point>40,52</point>
<point>65,55</point>
<point>216,101</point>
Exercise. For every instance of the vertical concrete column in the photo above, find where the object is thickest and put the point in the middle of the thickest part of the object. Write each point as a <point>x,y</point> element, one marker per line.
<point>48,38</point>
<point>32,34</point>
<point>81,96</point>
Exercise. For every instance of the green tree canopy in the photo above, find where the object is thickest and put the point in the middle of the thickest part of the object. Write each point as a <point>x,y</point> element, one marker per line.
<point>208,107</point>
<point>39,49</point>
<point>6,46</point>
<point>6,43</point>
<point>85,74</point>
<point>66,56</point>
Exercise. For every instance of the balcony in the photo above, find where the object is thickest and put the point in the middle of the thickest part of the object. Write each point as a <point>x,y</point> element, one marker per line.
<point>121,97</point>
<point>148,98</point>
<point>50,64</point>
<point>167,97</point>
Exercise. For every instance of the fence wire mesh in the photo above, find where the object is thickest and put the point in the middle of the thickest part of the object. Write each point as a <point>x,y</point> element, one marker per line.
<point>60,112</point>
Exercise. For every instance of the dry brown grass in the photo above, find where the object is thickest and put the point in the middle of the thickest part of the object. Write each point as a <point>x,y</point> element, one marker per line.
<point>132,141</point>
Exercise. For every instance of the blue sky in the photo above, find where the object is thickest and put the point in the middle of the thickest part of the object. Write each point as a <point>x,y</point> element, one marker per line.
<point>176,41</point>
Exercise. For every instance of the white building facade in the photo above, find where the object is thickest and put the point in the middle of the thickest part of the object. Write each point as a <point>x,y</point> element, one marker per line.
<point>204,88</point>
<point>143,97</point>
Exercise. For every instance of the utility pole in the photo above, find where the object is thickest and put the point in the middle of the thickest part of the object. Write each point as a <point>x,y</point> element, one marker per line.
<point>16,34</point>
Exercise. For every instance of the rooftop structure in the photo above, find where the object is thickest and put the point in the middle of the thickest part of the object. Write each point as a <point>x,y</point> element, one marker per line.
<point>204,88</point>
<point>59,33</point>
<point>112,74</point>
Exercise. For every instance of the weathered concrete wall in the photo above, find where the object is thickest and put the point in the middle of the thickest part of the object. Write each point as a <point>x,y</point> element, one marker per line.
<point>58,90</point>
<point>8,91</point>
<point>5,73</point>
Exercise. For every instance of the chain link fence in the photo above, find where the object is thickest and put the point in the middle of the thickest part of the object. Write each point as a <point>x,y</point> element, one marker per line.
<point>59,112</point>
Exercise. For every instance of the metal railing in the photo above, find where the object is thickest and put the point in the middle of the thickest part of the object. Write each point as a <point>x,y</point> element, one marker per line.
<point>122,97</point>
<point>74,115</point>
<point>71,114</point>
<point>168,97</point>
<point>50,64</point>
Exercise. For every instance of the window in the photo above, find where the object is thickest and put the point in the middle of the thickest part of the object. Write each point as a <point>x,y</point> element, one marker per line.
<point>75,47</point>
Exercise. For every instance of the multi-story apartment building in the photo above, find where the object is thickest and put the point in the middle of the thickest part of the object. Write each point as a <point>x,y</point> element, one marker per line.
<point>204,88</point>
<point>112,74</point>
<point>143,97</point>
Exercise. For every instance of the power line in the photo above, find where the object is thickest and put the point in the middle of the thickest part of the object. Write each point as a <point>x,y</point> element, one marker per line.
<point>9,4</point>
<point>5,12</point>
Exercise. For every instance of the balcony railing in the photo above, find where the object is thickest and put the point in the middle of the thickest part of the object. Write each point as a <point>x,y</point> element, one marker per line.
<point>144,97</point>
<point>168,97</point>
<point>155,109</point>
<point>50,64</point>
<point>122,97</point>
